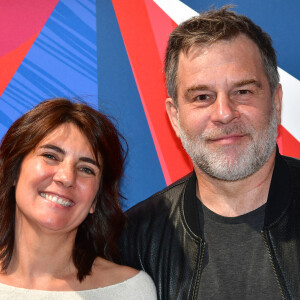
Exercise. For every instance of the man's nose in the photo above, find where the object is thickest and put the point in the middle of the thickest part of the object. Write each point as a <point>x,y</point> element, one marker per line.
<point>65,175</point>
<point>223,109</point>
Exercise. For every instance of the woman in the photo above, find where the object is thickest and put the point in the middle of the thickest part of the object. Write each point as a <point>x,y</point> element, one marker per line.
<point>60,218</point>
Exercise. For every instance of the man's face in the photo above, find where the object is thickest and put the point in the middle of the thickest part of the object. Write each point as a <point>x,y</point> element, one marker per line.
<point>225,114</point>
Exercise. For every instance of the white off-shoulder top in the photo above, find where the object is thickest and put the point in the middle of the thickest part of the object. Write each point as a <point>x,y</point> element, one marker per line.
<point>138,287</point>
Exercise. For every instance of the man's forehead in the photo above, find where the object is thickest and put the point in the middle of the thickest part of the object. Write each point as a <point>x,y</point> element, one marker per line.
<point>199,49</point>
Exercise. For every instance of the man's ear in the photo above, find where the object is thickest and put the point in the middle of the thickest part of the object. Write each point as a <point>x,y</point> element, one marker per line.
<point>172,111</point>
<point>277,98</point>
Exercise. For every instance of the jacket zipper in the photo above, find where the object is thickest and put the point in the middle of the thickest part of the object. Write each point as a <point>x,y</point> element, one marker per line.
<point>196,290</point>
<point>272,263</point>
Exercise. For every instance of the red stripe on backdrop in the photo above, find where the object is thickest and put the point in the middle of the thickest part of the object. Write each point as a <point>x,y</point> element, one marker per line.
<point>287,143</point>
<point>138,33</point>
<point>10,62</point>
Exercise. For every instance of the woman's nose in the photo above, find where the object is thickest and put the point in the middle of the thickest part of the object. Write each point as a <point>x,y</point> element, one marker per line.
<point>65,175</point>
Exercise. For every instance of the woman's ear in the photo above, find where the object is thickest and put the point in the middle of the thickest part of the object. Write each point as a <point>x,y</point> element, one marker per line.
<point>93,207</point>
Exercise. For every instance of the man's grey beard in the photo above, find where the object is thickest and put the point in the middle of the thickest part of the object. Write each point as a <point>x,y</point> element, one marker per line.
<point>217,164</point>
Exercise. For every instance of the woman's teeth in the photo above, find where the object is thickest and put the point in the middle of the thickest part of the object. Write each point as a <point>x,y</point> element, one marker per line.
<point>56,199</point>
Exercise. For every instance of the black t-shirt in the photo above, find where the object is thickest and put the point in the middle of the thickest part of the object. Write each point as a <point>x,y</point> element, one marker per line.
<point>236,261</point>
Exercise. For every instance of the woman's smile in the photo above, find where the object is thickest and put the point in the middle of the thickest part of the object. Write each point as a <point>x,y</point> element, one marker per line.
<point>57,199</point>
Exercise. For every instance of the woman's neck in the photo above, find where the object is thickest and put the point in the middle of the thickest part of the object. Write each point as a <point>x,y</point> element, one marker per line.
<point>41,258</point>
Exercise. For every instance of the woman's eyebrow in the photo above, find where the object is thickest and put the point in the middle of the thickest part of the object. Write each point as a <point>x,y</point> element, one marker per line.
<point>89,160</point>
<point>53,147</point>
<point>59,150</point>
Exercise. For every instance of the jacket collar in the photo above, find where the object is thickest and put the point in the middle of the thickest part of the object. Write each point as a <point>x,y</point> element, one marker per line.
<point>280,190</point>
<point>278,198</point>
<point>190,205</point>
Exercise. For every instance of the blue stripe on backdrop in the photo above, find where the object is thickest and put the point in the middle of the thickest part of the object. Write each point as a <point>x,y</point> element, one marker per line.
<point>280,19</point>
<point>119,97</point>
<point>61,62</point>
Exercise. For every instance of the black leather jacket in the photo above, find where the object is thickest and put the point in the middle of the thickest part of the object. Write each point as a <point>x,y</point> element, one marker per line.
<point>163,238</point>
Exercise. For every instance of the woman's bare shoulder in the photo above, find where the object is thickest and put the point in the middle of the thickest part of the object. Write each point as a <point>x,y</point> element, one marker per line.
<point>107,273</point>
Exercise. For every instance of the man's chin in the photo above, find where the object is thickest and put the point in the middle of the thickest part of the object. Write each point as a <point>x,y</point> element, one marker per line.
<point>228,164</point>
<point>228,154</point>
<point>227,172</point>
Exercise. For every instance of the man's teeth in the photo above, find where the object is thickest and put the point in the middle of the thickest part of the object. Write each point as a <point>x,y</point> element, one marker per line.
<point>56,199</point>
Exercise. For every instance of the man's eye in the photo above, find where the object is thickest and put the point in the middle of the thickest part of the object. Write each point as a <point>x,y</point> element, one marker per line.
<point>202,97</point>
<point>244,92</point>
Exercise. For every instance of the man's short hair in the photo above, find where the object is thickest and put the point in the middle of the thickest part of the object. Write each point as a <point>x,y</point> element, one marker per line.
<point>210,27</point>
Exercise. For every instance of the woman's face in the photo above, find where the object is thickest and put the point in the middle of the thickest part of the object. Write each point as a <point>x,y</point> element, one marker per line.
<point>58,181</point>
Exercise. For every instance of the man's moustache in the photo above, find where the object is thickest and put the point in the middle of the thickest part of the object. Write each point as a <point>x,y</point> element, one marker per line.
<point>217,133</point>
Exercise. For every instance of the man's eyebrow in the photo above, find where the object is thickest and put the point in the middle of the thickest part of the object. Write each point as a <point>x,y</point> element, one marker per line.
<point>59,150</point>
<point>248,82</point>
<point>196,88</point>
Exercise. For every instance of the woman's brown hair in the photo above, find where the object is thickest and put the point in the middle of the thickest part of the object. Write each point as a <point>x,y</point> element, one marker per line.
<point>99,233</point>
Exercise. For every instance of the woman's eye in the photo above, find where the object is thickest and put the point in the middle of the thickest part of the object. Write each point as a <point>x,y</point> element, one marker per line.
<point>49,156</point>
<point>87,170</point>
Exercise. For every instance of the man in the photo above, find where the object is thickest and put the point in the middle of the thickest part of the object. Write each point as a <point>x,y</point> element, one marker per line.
<point>231,229</point>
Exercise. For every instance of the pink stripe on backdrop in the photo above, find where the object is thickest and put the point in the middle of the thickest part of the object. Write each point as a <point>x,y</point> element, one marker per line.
<point>162,26</point>
<point>22,19</point>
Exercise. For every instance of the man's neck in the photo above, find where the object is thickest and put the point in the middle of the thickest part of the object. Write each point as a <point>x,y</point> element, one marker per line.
<point>235,198</point>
